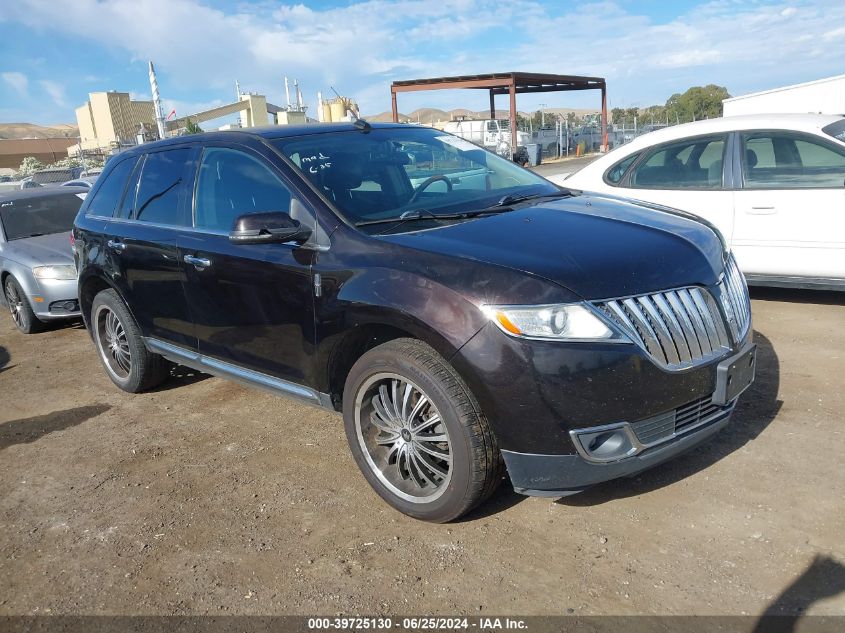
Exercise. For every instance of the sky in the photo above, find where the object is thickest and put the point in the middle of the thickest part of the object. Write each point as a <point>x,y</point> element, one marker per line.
<point>54,52</point>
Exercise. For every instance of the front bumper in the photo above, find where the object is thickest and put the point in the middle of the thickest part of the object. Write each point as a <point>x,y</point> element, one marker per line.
<point>540,396</point>
<point>54,299</point>
<point>562,475</point>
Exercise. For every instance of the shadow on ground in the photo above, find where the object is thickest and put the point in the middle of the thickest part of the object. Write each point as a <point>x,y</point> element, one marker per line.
<point>824,578</point>
<point>792,295</point>
<point>756,409</point>
<point>29,430</point>
<point>5,357</point>
<point>180,376</point>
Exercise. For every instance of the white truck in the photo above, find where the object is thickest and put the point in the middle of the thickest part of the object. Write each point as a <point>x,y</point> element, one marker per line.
<point>491,134</point>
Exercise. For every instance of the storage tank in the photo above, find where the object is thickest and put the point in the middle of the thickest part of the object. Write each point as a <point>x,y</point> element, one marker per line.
<point>337,110</point>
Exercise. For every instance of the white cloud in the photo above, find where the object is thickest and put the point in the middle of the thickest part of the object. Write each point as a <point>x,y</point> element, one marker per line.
<point>17,81</point>
<point>55,90</point>
<point>360,47</point>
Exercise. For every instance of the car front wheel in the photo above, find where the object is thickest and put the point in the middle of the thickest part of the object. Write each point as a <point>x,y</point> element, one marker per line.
<point>22,313</point>
<point>418,434</point>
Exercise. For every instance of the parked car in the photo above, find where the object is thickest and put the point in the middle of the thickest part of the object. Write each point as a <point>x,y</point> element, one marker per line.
<point>84,182</point>
<point>463,314</point>
<point>37,270</point>
<point>774,185</point>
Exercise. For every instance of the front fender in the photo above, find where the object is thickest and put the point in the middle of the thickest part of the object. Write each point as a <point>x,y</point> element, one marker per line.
<point>23,275</point>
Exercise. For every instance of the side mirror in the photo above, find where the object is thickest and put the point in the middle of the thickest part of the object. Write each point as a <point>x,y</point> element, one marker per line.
<point>269,227</point>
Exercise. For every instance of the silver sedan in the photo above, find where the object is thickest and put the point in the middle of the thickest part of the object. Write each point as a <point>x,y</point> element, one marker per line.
<point>37,270</point>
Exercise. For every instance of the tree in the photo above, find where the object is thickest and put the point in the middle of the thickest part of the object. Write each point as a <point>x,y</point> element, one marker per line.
<point>617,115</point>
<point>29,165</point>
<point>698,102</point>
<point>192,128</point>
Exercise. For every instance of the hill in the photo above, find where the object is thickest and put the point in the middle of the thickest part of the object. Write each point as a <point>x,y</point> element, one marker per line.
<point>429,116</point>
<point>30,130</point>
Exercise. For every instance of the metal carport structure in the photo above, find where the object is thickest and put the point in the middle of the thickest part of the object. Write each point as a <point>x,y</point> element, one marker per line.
<point>510,83</point>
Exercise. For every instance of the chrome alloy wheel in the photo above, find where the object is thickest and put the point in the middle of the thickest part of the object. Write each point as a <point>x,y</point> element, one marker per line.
<point>403,438</point>
<point>112,342</point>
<point>15,303</point>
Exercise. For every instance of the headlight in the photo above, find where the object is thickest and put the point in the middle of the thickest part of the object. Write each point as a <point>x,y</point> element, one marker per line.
<point>572,322</point>
<point>55,272</point>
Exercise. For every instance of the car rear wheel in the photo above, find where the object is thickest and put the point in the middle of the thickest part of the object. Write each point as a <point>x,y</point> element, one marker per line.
<point>418,434</point>
<point>22,313</point>
<point>127,361</point>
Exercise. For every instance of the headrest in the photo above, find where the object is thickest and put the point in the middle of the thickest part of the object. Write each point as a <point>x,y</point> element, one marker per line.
<point>750,158</point>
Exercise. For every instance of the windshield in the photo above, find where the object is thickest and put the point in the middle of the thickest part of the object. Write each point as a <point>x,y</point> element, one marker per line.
<point>385,173</point>
<point>38,215</point>
<point>836,130</point>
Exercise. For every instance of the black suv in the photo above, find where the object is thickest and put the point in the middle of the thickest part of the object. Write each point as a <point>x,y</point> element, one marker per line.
<point>463,313</point>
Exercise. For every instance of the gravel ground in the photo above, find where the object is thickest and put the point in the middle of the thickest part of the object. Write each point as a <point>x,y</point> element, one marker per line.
<point>206,497</point>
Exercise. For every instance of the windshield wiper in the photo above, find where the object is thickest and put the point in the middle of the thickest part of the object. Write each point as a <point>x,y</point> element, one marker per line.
<point>513,198</point>
<point>424,214</point>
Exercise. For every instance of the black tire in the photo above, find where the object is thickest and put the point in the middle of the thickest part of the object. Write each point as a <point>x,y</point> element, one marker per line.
<point>143,369</point>
<point>22,313</point>
<point>475,468</point>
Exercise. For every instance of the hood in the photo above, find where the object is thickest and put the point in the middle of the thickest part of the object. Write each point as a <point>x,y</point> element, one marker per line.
<point>41,250</point>
<point>597,247</point>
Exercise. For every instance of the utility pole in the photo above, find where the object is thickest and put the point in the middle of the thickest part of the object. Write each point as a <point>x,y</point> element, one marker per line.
<point>543,107</point>
<point>157,103</point>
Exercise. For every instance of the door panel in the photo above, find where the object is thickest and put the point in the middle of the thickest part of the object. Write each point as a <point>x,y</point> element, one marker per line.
<point>790,213</point>
<point>141,245</point>
<point>150,276</point>
<point>252,305</point>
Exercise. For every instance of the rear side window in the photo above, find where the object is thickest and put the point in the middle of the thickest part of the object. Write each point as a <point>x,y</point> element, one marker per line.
<point>692,164</point>
<point>615,174</point>
<point>110,192</point>
<point>232,183</point>
<point>778,160</point>
<point>161,192</point>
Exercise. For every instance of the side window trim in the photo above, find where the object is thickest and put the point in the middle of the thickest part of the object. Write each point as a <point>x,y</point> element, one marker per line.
<point>647,153</point>
<point>793,135</point>
<point>99,185</point>
<point>131,186</point>
<point>619,183</point>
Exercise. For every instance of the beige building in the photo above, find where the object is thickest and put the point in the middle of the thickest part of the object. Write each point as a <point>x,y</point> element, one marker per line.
<point>109,119</point>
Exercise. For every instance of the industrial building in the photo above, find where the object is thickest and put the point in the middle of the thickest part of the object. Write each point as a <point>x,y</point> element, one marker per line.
<point>109,120</point>
<point>825,96</point>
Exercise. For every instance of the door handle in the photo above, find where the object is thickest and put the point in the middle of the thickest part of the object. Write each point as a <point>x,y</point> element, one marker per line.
<point>116,245</point>
<point>197,262</point>
<point>762,210</point>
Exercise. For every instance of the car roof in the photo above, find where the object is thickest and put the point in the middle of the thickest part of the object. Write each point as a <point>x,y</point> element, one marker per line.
<point>800,122</point>
<point>39,192</point>
<point>266,132</point>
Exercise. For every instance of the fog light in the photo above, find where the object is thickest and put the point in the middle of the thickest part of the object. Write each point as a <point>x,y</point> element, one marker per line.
<point>605,444</point>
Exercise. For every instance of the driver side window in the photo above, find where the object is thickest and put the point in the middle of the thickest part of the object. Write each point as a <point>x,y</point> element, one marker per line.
<point>232,183</point>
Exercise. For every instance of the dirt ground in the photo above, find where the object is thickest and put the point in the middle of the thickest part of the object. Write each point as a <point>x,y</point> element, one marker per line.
<point>206,497</point>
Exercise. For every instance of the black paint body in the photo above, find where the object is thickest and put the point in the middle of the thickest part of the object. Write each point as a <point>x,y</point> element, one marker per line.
<point>256,307</point>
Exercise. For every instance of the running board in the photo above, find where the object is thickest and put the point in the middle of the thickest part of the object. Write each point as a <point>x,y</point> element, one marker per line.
<point>248,377</point>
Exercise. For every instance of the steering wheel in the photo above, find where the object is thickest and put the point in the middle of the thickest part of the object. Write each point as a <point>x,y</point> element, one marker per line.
<point>426,183</point>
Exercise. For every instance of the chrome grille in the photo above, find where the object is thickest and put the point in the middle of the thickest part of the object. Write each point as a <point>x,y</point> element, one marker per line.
<point>665,426</point>
<point>735,300</point>
<point>678,328</point>
<point>685,327</point>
